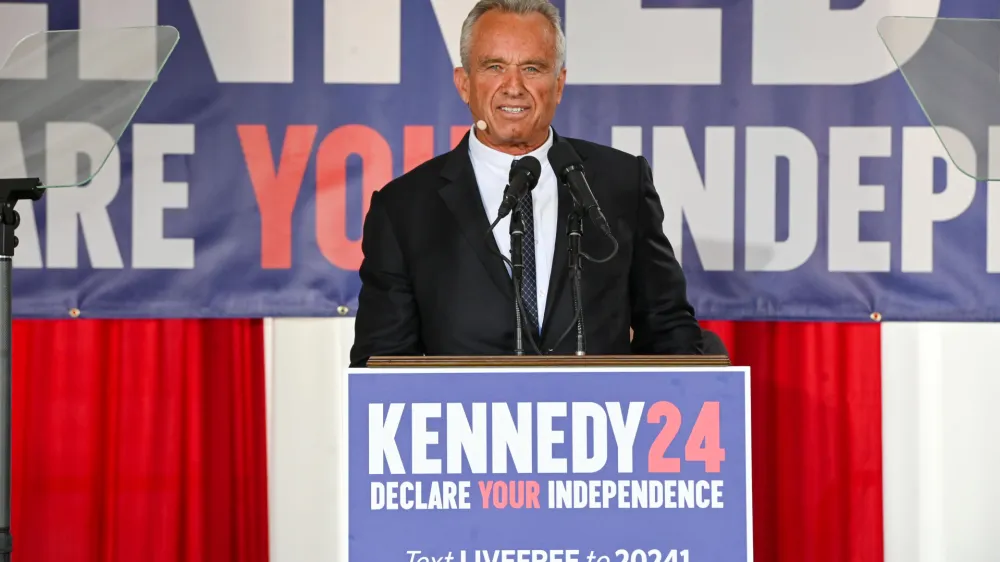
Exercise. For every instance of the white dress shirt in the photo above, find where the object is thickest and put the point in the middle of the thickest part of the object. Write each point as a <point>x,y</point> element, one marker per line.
<point>492,169</point>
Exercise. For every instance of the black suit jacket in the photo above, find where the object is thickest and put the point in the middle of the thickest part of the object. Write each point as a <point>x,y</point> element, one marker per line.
<point>432,286</point>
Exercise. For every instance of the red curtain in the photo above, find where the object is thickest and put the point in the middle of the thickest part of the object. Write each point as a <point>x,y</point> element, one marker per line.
<point>139,440</point>
<point>816,437</point>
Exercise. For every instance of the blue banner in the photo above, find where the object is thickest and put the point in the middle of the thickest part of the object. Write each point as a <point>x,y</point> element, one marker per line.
<point>800,179</point>
<point>596,465</point>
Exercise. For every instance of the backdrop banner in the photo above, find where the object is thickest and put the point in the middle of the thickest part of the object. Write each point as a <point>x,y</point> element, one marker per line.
<point>553,465</point>
<point>798,175</point>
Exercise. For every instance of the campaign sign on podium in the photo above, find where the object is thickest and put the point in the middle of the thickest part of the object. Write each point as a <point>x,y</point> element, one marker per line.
<point>636,464</point>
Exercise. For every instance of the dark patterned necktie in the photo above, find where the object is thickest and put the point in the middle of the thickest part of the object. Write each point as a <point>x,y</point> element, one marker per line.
<point>529,283</point>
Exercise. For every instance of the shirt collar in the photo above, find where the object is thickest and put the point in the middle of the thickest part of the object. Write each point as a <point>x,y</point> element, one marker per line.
<point>481,153</point>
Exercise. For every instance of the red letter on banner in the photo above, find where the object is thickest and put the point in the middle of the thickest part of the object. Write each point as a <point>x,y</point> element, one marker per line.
<point>703,443</point>
<point>276,191</point>
<point>657,412</point>
<point>331,188</point>
<point>457,132</point>
<point>418,145</point>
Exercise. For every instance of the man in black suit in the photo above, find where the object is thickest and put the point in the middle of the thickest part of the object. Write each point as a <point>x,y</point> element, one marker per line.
<point>432,280</point>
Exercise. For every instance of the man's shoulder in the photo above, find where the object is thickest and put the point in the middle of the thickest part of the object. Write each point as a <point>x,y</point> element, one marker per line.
<point>617,169</point>
<point>590,150</point>
<point>417,182</point>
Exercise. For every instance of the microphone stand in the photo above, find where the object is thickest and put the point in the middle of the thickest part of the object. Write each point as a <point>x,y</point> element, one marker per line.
<point>517,271</point>
<point>11,191</point>
<point>575,232</point>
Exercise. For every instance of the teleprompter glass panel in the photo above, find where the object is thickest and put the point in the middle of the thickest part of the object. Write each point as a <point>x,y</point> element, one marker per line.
<point>66,97</point>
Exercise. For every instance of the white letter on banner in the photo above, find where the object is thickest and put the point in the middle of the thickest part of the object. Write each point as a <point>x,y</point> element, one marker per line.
<point>151,195</point>
<point>465,436</point>
<point>66,205</point>
<point>123,54</point>
<point>378,495</point>
<point>421,437</point>
<point>16,22</point>
<point>382,438</point>
<point>585,413</point>
<point>362,41</point>
<point>258,48</point>
<point>849,197</point>
<point>624,429</point>
<point>548,437</point>
<point>708,205</point>
<point>764,145</point>
<point>29,249</point>
<point>450,16</point>
<point>510,436</point>
<point>627,139</point>
<point>992,204</point>
<point>805,42</point>
<point>921,206</point>
<point>644,46</point>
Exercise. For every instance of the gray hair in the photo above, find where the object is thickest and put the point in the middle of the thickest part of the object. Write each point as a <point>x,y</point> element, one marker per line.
<point>520,7</point>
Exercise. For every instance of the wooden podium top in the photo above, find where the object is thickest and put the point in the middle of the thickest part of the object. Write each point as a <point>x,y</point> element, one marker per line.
<point>550,361</point>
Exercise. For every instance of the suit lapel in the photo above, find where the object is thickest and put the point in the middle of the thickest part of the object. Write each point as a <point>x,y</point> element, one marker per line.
<point>560,258</point>
<point>461,195</point>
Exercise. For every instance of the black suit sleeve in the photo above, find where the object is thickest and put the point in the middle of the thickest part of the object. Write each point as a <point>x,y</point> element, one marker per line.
<point>662,319</point>
<point>387,321</point>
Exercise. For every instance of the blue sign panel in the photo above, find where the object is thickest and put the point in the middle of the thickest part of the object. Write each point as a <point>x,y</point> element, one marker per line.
<point>521,465</point>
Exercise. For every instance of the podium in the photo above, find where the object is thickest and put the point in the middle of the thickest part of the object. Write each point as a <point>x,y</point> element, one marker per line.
<point>390,362</point>
<point>546,458</point>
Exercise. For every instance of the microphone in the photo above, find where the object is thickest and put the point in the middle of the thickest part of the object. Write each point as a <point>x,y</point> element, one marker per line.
<point>523,178</point>
<point>568,165</point>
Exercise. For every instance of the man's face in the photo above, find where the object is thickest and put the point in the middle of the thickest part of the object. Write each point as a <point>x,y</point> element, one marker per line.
<point>512,82</point>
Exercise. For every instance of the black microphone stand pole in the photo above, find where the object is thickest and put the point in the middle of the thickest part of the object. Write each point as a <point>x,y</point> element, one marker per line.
<point>517,272</point>
<point>11,191</point>
<point>575,232</point>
